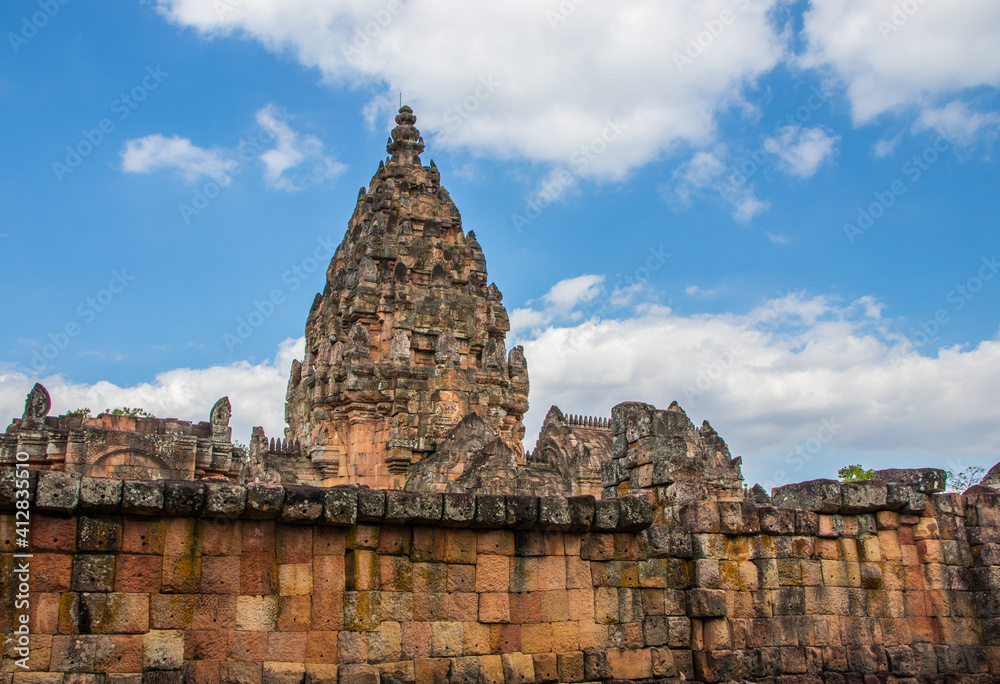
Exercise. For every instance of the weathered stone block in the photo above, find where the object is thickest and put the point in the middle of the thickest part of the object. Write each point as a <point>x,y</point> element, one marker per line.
<point>57,491</point>
<point>409,507</point>
<point>607,513</point>
<point>264,501</point>
<point>100,495</point>
<point>581,513</point>
<point>554,513</point>
<point>635,514</point>
<point>924,480</point>
<point>595,665</point>
<point>371,505</point>
<point>302,504</point>
<point>340,506</point>
<point>458,510</point>
<point>819,496</point>
<point>522,512</point>
<point>491,511</point>
<point>163,650</point>
<point>224,500</point>
<point>93,572</point>
<point>866,496</point>
<point>142,497</point>
<point>706,603</point>
<point>518,668</point>
<point>183,498</point>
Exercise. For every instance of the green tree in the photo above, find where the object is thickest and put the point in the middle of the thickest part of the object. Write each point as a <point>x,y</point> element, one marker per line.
<point>855,473</point>
<point>126,411</point>
<point>85,412</point>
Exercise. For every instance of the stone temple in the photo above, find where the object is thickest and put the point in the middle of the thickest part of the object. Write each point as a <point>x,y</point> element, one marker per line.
<point>398,532</point>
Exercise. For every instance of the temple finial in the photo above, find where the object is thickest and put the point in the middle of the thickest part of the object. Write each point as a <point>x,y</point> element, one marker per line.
<point>405,142</point>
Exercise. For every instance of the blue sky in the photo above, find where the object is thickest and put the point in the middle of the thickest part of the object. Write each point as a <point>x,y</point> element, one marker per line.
<point>744,206</point>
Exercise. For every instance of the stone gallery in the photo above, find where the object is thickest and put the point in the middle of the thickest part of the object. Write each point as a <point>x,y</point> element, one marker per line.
<point>398,532</point>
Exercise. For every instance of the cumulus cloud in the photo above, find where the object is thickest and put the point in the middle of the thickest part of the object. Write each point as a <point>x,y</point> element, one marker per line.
<point>892,55</point>
<point>292,163</point>
<point>560,301</point>
<point>256,391</point>
<point>155,152</point>
<point>800,151</point>
<point>707,173</point>
<point>291,151</point>
<point>546,82</point>
<point>958,122</point>
<point>770,378</point>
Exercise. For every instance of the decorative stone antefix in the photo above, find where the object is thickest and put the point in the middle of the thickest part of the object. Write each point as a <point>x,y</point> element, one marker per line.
<point>222,435</point>
<point>663,455</point>
<point>407,338</point>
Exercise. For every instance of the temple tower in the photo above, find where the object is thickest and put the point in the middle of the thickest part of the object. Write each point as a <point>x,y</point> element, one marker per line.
<point>407,338</point>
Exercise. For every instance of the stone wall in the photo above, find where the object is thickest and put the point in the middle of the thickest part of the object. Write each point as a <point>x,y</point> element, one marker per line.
<point>208,581</point>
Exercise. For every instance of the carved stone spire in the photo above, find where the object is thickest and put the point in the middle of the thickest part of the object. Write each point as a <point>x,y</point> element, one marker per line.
<point>405,144</point>
<point>421,333</point>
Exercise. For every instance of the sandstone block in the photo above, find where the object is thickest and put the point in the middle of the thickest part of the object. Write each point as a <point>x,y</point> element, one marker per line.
<point>607,513</point>
<point>569,666</point>
<point>819,496</point>
<point>706,603</point>
<point>224,500</point>
<point>57,491</point>
<point>494,607</point>
<point>142,497</point>
<point>446,639</point>
<point>924,480</point>
<point>264,501</point>
<point>302,504</point>
<point>518,668</point>
<point>340,506</point>
<point>100,495</point>
<point>458,510</point>
<point>371,505</point>
<point>163,650</point>
<point>546,669</point>
<point>183,498</point>
<point>73,653</point>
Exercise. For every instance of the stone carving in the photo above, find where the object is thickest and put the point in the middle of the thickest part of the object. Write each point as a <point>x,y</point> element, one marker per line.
<point>222,411</point>
<point>37,405</point>
<point>400,350</point>
<point>446,352</point>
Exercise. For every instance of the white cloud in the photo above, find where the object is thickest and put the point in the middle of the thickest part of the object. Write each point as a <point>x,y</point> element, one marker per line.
<point>155,152</point>
<point>886,146</point>
<point>256,391</point>
<point>500,78</point>
<point>889,59</point>
<point>292,151</point>
<point>706,172</point>
<point>776,239</point>
<point>801,150</point>
<point>294,162</point>
<point>767,379</point>
<point>562,299</point>
<point>957,122</point>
